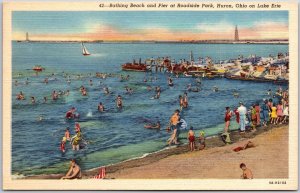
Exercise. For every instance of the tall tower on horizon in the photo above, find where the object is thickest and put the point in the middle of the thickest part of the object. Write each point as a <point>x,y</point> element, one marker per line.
<point>236,34</point>
<point>27,36</point>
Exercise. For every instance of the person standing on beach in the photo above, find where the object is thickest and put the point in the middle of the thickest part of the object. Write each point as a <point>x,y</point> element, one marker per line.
<point>247,173</point>
<point>285,114</point>
<point>201,140</point>
<point>191,138</point>
<point>227,118</point>
<point>279,113</point>
<point>174,120</point>
<point>257,109</point>
<point>265,112</point>
<point>253,118</point>
<point>242,112</point>
<point>74,171</point>
<point>273,114</point>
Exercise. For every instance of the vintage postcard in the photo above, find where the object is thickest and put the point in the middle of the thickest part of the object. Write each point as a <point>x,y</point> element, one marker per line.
<point>150,95</point>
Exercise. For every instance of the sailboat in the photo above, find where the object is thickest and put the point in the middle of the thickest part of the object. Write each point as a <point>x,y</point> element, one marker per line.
<point>85,52</point>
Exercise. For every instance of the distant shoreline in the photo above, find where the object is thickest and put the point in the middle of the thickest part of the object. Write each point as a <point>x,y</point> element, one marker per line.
<point>275,42</point>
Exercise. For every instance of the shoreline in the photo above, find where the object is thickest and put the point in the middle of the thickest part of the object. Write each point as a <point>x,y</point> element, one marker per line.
<point>212,143</point>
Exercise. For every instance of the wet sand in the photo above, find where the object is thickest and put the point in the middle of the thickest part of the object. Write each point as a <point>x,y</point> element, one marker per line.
<point>268,159</point>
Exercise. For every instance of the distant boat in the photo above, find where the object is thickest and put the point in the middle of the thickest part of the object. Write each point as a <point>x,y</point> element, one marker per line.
<point>38,68</point>
<point>85,52</point>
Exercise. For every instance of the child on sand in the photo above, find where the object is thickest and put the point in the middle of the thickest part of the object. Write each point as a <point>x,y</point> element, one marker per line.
<point>273,114</point>
<point>191,138</point>
<point>247,174</point>
<point>201,140</point>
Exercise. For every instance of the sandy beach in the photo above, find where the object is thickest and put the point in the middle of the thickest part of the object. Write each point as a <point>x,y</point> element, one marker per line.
<point>268,159</point>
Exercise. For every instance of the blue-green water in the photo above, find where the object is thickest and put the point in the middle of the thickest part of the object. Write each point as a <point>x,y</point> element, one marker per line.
<point>114,136</point>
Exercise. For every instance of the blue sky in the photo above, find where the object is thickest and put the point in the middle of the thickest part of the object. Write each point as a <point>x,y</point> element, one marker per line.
<point>78,23</point>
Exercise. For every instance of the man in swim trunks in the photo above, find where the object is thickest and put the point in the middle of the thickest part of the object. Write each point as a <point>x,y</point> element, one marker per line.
<point>174,120</point>
<point>74,171</point>
<point>70,113</point>
<point>247,174</point>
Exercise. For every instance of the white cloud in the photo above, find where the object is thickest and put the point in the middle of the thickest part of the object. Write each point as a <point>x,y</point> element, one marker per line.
<point>220,26</point>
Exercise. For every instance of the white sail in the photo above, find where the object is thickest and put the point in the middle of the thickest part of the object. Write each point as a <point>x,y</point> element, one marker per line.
<point>84,50</point>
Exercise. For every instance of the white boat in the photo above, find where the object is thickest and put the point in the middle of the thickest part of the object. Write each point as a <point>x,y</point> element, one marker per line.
<point>85,52</point>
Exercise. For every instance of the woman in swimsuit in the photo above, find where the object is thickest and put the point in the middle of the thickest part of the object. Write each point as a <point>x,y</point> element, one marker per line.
<point>228,115</point>
<point>279,113</point>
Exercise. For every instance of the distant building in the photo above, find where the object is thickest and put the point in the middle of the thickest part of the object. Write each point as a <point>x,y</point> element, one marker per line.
<point>236,34</point>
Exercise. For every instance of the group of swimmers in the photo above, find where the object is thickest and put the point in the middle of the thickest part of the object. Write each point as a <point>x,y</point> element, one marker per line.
<point>54,95</point>
<point>75,140</point>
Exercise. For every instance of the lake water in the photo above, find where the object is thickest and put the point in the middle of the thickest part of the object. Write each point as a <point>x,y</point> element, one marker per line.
<point>114,135</point>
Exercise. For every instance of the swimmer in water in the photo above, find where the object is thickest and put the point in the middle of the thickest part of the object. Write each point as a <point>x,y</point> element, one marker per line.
<point>101,107</point>
<point>149,88</point>
<point>84,92</point>
<point>91,82</point>
<point>236,94</point>
<point>27,81</point>
<point>119,102</point>
<point>77,127</point>
<point>106,91</point>
<point>67,134</point>
<point>185,100</point>
<point>215,89</point>
<point>40,118</point>
<point>54,95</point>
<point>32,100</point>
<point>153,126</point>
<point>46,81</point>
<point>180,102</point>
<point>45,99</point>
<point>20,96</point>
<point>170,81</point>
<point>16,83</point>
<point>70,114</point>
<point>67,93</point>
